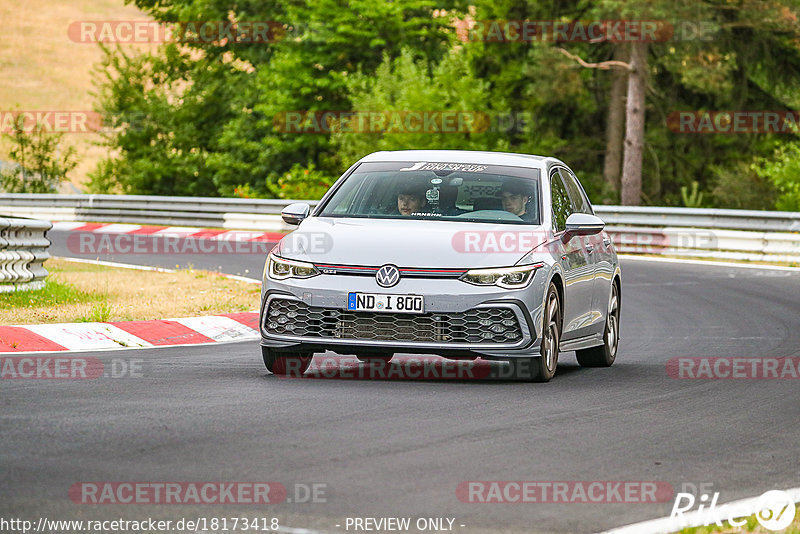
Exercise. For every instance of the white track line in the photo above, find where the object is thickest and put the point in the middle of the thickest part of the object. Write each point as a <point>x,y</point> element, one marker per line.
<point>666,525</point>
<point>147,268</point>
<point>712,263</point>
<point>115,264</point>
<point>72,353</point>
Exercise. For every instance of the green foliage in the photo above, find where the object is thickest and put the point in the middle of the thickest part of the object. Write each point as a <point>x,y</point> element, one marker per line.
<point>99,313</point>
<point>403,92</point>
<point>783,170</point>
<point>164,111</point>
<point>738,186</point>
<point>41,161</point>
<point>197,119</point>
<point>304,183</point>
<point>206,118</point>
<point>301,183</point>
<point>692,198</point>
<point>54,293</point>
<point>734,58</point>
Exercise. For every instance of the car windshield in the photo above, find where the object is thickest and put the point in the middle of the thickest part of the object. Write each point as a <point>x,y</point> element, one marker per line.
<point>438,191</point>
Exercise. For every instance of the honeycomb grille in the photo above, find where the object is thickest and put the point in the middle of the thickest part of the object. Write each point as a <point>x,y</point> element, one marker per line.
<point>479,325</point>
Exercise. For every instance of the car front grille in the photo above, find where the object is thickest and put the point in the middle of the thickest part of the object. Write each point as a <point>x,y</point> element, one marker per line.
<point>286,317</point>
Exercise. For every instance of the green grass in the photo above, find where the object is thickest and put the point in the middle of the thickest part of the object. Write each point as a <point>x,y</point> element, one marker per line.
<point>752,525</point>
<point>100,313</point>
<point>82,292</point>
<point>54,293</point>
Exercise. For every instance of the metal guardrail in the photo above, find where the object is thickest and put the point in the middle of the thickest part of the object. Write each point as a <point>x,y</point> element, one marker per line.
<point>707,243</point>
<point>721,233</point>
<point>765,221</point>
<point>23,250</point>
<point>238,213</point>
<point>253,213</point>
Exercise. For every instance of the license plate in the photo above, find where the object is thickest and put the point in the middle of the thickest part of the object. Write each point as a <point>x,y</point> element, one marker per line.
<point>385,303</point>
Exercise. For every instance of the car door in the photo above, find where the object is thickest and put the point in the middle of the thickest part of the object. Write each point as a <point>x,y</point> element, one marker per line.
<point>574,259</point>
<point>594,247</point>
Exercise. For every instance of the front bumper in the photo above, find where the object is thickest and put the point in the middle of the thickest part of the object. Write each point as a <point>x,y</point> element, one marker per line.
<point>321,320</point>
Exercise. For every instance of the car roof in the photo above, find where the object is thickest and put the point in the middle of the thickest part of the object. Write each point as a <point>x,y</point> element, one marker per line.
<point>461,156</point>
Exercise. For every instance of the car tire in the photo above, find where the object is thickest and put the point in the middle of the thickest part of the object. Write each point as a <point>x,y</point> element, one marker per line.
<point>286,364</point>
<point>544,367</point>
<point>605,354</point>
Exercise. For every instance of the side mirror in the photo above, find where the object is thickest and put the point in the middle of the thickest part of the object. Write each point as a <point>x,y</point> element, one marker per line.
<point>583,224</point>
<point>295,213</point>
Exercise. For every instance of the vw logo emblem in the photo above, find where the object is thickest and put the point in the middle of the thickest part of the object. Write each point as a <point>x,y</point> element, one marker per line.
<point>387,276</point>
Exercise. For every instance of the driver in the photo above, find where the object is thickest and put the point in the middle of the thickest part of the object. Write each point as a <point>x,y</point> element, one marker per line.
<point>410,199</point>
<point>515,195</point>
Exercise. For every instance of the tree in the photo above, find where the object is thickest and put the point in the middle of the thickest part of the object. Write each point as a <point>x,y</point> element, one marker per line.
<point>198,118</point>
<point>208,117</point>
<point>41,161</point>
<point>403,87</point>
<point>615,123</point>
<point>783,170</point>
<point>634,126</point>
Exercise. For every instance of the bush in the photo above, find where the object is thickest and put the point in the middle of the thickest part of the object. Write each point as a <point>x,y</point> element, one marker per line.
<point>299,183</point>
<point>406,84</point>
<point>39,165</point>
<point>740,187</point>
<point>304,183</point>
<point>783,170</point>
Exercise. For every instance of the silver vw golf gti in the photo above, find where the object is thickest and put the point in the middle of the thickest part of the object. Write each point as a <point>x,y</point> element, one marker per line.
<point>460,254</point>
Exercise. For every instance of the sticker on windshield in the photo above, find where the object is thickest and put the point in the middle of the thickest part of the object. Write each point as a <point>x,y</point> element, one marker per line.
<point>463,167</point>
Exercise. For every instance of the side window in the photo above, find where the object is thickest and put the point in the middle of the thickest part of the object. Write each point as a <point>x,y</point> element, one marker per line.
<point>580,203</point>
<point>562,208</point>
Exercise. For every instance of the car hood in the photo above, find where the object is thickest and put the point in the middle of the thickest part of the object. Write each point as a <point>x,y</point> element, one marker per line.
<point>409,243</point>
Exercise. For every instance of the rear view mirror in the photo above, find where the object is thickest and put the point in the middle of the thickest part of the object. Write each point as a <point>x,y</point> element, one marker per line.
<point>583,224</point>
<point>295,213</point>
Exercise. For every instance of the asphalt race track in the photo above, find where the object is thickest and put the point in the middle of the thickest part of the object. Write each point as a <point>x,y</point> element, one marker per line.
<point>250,264</point>
<point>400,448</point>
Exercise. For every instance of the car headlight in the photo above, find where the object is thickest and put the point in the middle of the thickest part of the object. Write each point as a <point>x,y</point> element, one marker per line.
<point>280,269</point>
<point>507,277</point>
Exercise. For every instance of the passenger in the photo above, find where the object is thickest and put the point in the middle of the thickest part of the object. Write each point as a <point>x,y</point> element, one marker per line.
<point>515,195</point>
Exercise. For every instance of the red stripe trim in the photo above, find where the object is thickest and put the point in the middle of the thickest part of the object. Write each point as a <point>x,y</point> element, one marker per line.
<point>401,269</point>
<point>163,332</point>
<point>89,227</point>
<point>346,267</point>
<point>207,233</point>
<point>405,270</point>
<point>147,230</point>
<point>249,319</point>
<point>20,339</point>
<point>269,237</point>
